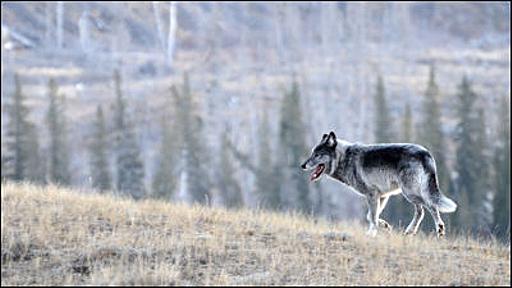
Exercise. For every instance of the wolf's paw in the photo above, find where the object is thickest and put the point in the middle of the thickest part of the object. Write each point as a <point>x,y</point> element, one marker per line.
<point>372,232</point>
<point>385,225</point>
<point>440,231</point>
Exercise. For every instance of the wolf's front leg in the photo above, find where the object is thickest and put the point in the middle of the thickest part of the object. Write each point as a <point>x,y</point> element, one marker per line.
<point>372,216</point>
<point>382,223</point>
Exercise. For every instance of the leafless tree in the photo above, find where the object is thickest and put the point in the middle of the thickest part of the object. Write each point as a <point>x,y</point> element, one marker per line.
<point>60,22</point>
<point>173,26</point>
<point>159,26</point>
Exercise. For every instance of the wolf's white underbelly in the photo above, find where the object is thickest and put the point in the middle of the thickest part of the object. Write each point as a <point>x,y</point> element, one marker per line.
<point>383,179</point>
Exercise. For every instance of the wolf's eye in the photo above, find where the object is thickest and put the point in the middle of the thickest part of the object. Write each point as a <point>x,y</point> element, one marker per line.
<point>316,155</point>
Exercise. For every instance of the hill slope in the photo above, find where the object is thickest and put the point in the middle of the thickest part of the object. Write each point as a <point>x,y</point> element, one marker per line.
<point>52,235</point>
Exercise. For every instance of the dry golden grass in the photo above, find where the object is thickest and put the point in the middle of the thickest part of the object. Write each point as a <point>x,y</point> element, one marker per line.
<point>57,236</point>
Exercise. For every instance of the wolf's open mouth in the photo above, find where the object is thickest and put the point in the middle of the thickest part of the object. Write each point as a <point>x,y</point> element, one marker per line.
<point>317,172</point>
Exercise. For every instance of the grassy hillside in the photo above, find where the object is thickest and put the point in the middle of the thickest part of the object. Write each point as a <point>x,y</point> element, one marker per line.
<point>57,236</point>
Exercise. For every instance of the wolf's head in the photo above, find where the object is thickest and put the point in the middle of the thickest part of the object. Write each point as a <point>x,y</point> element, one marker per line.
<point>321,156</point>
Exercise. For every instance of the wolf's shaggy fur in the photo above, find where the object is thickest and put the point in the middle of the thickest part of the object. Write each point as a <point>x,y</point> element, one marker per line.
<point>378,171</point>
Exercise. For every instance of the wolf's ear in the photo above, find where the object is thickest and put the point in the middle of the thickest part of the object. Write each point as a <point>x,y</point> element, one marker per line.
<point>331,140</point>
<point>324,138</point>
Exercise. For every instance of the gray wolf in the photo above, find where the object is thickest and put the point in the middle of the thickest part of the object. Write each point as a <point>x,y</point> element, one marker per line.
<point>378,171</point>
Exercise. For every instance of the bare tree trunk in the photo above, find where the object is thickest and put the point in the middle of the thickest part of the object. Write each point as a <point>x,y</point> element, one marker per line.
<point>60,14</point>
<point>278,29</point>
<point>173,25</point>
<point>48,31</point>
<point>242,56</point>
<point>291,24</point>
<point>83,27</point>
<point>325,24</point>
<point>159,28</point>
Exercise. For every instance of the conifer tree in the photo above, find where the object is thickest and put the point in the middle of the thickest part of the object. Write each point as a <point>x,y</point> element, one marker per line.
<point>266,184</point>
<point>58,169</point>
<point>293,148</point>
<point>164,180</point>
<point>468,158</point>
<point>228,186</point>
<point>129,165</point>
<point>20,160</point>
<point>100,168</point>
<point>383,126</point>
<point>194,177</point>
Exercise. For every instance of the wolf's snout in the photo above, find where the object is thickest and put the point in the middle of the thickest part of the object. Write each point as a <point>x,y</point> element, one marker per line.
<point>303,166</point>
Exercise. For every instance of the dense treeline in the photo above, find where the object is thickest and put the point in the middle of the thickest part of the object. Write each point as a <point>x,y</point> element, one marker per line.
<point>478,180</point>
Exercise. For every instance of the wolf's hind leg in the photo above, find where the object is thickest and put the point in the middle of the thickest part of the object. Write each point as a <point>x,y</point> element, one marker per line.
<point>416,220</point>
<point>437,220</point>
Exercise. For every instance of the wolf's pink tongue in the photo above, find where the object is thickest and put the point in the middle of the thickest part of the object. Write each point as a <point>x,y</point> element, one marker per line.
<point>316,173</point>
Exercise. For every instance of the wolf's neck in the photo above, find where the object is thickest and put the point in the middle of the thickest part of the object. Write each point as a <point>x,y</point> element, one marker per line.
<point>340,152</point>
<point>342,146</point>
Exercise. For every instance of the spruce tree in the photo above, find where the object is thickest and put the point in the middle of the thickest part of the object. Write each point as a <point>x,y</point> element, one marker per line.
<point>164,180</point>
<point>228,186</point>
<point>267,187</point>
<point>20,160</point>
<point>383,126</point>
<point>501,205</point>
<point>194,177</point>
<point>58,148</point>
<point>468,157</point>
<point>129,165</point>
<point>292,143</point>
<point>100,168</point>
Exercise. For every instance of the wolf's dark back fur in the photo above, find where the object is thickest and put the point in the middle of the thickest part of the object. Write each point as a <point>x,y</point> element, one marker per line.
<point>395,157</point>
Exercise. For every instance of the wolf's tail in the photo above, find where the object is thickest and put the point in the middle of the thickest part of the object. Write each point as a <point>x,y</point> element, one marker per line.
<point>445,204</point>
<point>439,200</point>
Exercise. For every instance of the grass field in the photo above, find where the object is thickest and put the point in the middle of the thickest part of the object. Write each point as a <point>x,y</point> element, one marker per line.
<point>52,235</point>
